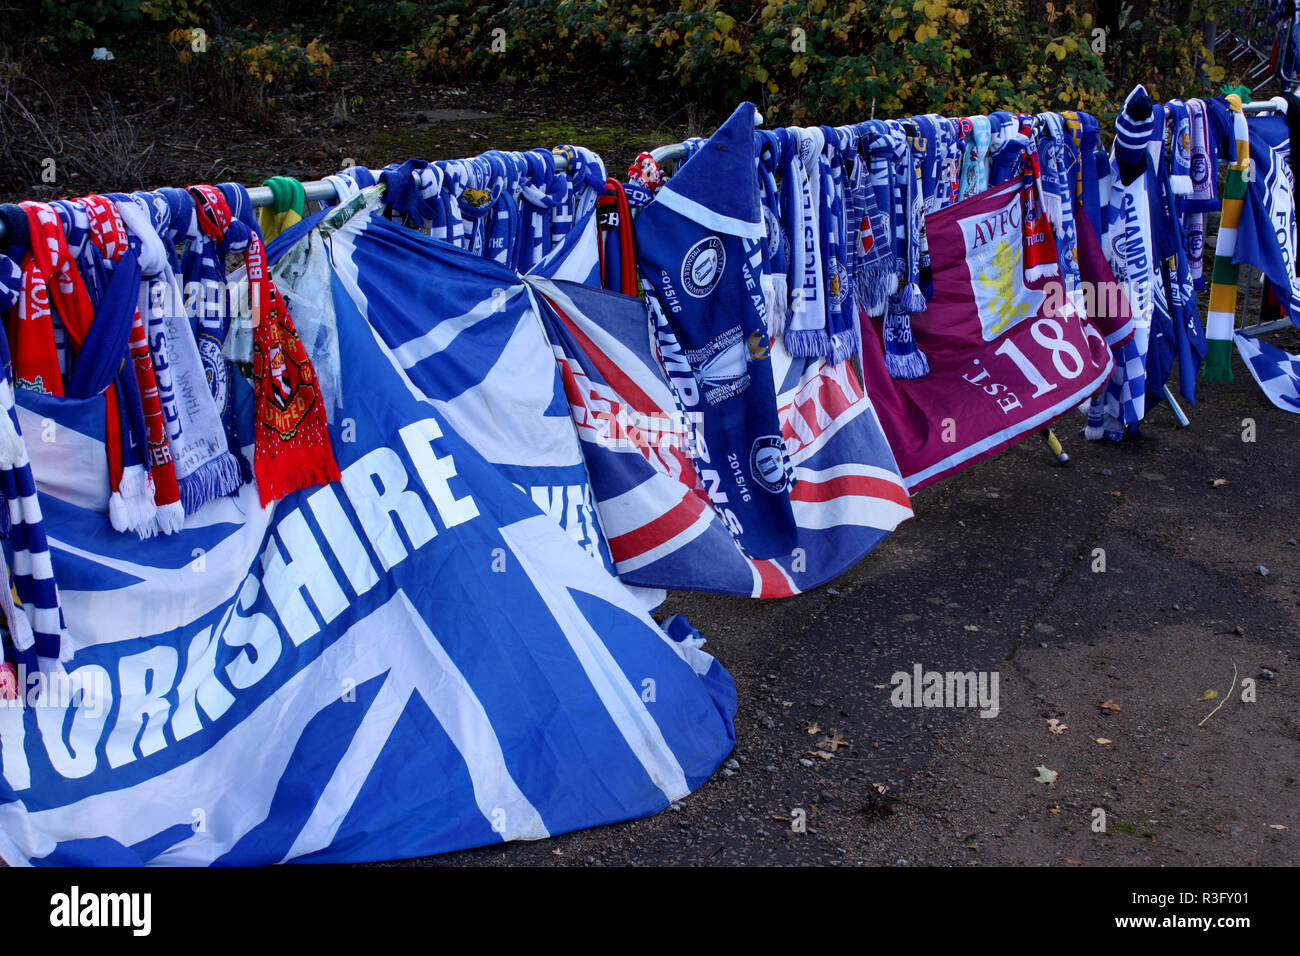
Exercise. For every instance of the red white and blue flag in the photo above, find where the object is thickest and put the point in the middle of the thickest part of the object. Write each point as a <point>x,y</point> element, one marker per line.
<point>643,455</point>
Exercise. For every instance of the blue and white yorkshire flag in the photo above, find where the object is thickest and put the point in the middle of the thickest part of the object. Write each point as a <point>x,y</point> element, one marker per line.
<point>415,659</point>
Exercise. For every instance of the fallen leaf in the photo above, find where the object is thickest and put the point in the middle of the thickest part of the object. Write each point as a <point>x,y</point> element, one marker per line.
<point>1045,775</point>
<point>1073,862</point>
<point>973,846</point>
<point>1103,741</point>
<point>1109,704</point>
<point>1115,494</point>
<point>1056,726</point>
<point>813,728</point>
<point>1278,826</point>
<point>881,686</point>
<point>821,753</point>
<point>880,788</point>
<point>832,743</point>
<point>972,627</point>
<point>1054,810</point>
<point>1208,695</point>
<point>1218,482</point>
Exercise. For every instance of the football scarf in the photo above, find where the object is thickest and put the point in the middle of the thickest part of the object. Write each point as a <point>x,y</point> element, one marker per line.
<point>776,288</point>
<point>699,252</point>
<point>1007,147</point>
<point>51,284</point>
<point>133,503</point>
<point>1039,242</point>
<point>36,627</point>
<point>1056,186</point>
<point>903,357</point>
<point>617,252</point>
<point>292,450</point>
<point>205,467</point>
<point>1087,138</point>
<point>923,137</point>
<point>1204,174</point>
<point>289,199</point>
<point>50,278</point>
<point>1221,318</point>
<point>204,267</point>
<point>1180,148</point>
<point>1266,236</point>
<point>1133,127</point>
<point>876,278</point>
<point>541,191</point>
<point>841,334</point>
<point>805,323</point>
<point>975,158</point>
<point>111,235</point>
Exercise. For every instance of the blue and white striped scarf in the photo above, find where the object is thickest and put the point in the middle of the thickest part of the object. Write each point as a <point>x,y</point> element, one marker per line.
<point>36,624</point>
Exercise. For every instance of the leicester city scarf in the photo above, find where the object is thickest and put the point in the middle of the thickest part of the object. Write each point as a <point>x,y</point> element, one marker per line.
<point>903,357</point>
<point>205,467</point>
<point>841,331</point>
<point>204,265</point>
<point>700,251</point>
<point>805,323</point>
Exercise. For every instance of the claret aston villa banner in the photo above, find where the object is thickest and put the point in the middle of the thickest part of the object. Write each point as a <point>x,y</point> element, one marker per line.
<point>1006,356</point>
<point>420,657</point>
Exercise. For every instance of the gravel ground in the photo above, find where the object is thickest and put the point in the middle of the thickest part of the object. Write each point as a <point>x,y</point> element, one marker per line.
<point>1000,572</point>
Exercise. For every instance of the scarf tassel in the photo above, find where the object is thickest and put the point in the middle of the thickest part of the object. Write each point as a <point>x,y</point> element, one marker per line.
<point>296,469</point>
<point>1095,429</point>
<point>171,517</point>
<point>876,283</point>
<point>913,299</point>
<point>1181,185</point>
<point>843,345</point>
<point>903,358</point>
<point>211,480</point>
<point>131,507</point>
<point>806,343</point>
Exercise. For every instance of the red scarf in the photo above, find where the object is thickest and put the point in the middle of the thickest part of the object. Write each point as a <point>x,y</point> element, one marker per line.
<point>1039,242</point>
<point>50,281</point>
<point>293,448</point>
<point>110,236</point>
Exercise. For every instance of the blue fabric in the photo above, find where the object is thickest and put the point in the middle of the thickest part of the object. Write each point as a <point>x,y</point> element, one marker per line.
<point>705,276</point>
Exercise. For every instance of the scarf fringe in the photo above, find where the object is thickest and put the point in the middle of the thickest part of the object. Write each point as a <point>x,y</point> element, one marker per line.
<point>843,345</point>
<point>875,285</point>
<point>913,299</point>
<point>211,480</point>
<point>1180,185</point>
<point>1048,270</point>
<point>295,470</point>
<point>171,517</point>
<point>807,343</point>
<point>1095,430</point>
<point>911,364</point>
